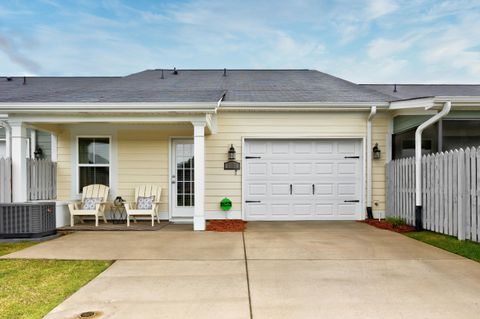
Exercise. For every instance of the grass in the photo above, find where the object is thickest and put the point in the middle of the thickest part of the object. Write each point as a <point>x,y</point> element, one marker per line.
<point>29,288</point>
<point>466,248</point>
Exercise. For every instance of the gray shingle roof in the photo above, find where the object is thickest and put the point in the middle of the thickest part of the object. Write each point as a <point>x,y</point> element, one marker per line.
<point>410,91</point>
<point>192,86</point>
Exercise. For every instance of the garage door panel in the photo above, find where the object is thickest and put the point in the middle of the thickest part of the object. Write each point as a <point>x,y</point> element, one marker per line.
<point>302,189</point>
<point>346,189</point>
<point>325,209</point>
<point>280,169</point>
<point>281,147</point>
<point>302,209</point>
<point>280,189</point>
<point>347,147</point>
<point>303,179</point>
<point>280,209</point>
<point>347,169</point>
<point>303,147</point>
<point>257,189</point>
<point>258,169</point>
<point>324,147</point>
<point>325,189</point>
<point>349,209</point>
<point>257,209</point>
<point>299,168</point>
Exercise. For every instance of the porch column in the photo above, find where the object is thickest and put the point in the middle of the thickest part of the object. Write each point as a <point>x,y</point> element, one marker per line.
<point>19,161</point>
<point>199,175</point>
<point>54,147</point>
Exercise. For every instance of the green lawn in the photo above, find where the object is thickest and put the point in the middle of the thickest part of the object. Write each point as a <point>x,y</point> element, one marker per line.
<point>466,249</point>
<point>31,288</point>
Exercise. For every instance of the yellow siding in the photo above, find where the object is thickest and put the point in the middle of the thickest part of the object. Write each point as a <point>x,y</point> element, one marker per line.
<point>142,153</point>
<point>233,126</point>
<point>64,165</point>
<point>143,159</point>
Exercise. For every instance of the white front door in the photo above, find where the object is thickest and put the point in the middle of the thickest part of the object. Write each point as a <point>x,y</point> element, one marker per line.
<point>182,180</point>
<point>303,179</point>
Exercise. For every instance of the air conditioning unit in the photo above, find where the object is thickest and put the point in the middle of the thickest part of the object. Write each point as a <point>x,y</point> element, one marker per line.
<point>27,220</point>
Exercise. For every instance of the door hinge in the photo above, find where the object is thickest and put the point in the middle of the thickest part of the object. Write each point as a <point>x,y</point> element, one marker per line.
<point>352,157</point>
<point>252,157</point>
<point>352,201</point>
<point>253,201</point>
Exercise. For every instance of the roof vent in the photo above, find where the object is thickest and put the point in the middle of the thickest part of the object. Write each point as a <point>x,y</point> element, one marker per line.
<point>175,71</point>
<point>9,79</point>
<point>224,71</point>
<point>395,88</point>
<point>162,77</point>
<point>24,80</point>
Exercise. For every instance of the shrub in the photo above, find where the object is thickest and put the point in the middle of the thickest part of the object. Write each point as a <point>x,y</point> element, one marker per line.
<point>395,221</point>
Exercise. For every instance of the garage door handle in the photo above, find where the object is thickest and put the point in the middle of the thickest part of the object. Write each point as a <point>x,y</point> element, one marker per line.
<point>313,189</point>
<point>252,201</point>
<point>290,189</point>
<point>351,201</point>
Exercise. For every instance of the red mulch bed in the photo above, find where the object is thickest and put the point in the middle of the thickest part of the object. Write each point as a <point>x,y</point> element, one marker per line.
<point>227,225</point>
<point>384,225</point>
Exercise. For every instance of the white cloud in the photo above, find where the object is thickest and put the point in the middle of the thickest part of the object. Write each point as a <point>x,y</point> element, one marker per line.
<point>381,48</point>
<point>378,8</point>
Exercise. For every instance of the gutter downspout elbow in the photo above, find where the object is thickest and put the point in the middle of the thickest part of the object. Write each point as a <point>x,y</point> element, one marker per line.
<point>8,137</point>
<point>373,112</point>
<point>418,161</point>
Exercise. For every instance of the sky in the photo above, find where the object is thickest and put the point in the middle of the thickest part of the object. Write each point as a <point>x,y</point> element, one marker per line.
<point>363,41</point>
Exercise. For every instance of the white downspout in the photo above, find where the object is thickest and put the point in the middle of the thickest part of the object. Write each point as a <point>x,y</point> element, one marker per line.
<point>373,111</point>
<point>8,138</point>
<point>418,161</point>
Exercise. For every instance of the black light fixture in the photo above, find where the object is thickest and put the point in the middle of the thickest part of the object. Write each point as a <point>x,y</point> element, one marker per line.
<point>231,164</point>
<point>377,154</point>
<point>38,153</point>
<point>231,153</point>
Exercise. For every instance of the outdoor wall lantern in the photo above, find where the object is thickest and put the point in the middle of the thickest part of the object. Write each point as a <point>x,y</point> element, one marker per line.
<point>38,153</point>
<point>376,152</point>
<point>231,164</point>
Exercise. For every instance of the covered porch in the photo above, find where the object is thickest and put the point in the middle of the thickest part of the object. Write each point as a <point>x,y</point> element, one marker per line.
<point>120,146</point>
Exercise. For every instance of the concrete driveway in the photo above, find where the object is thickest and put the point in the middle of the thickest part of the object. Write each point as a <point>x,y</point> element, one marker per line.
<point>274,270</point>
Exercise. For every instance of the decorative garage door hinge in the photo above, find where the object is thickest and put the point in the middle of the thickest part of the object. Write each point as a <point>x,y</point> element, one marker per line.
<point>252,157</point>
<point>253,201</point>
<point>351,201</point>
<point>352,157</point>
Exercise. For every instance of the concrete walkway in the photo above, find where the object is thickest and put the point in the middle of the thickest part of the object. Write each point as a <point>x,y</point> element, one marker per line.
<point>274,270</point>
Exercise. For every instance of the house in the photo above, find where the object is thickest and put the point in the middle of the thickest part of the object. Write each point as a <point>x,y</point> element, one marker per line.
<point>304,139</point>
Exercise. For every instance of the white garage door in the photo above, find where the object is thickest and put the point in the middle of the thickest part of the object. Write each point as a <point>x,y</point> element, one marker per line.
<point>303,179</point>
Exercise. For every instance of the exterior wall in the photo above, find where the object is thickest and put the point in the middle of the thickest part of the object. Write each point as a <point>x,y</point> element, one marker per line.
<point>140,155</point>
<point>233,126</point>
<point>64,165</point>
<point>142,151</point>
<point>143,158</point>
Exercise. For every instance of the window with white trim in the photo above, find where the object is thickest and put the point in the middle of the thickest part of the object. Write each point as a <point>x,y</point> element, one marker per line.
<point>93,161</point>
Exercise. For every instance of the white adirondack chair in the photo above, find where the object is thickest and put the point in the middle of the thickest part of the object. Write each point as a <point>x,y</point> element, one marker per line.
<point>145,191</point>
<point>90,191</point>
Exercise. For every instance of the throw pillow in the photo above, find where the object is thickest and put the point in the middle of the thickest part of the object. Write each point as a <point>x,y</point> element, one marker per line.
<point>145,202</point>
<point>91,203</point>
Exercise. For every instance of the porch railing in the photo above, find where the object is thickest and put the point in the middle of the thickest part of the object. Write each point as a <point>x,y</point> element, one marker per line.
<point>41,179</point>
<point>5,180</point>
<point>450,192</point>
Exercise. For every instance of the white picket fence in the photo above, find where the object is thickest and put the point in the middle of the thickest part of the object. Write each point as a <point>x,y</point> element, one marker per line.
<point>41,179</point>
<point>450,192</point>
<point>5,180</point>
